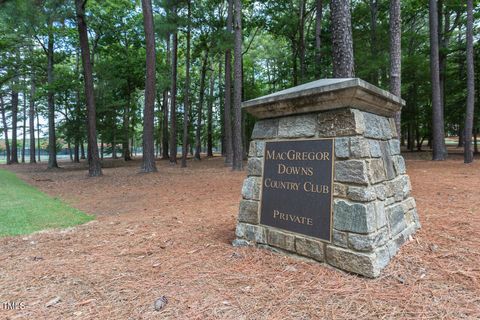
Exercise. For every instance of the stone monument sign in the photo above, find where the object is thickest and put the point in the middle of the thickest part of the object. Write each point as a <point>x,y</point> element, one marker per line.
<point>325,176</point>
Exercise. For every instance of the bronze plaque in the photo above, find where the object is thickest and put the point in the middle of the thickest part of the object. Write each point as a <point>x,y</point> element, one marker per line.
<point>297,186</point>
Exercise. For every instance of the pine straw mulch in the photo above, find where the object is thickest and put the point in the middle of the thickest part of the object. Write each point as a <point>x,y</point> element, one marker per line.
<point>169,234</point>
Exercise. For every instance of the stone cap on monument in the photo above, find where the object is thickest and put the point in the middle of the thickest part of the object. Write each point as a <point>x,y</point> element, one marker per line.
<point>325,94</point>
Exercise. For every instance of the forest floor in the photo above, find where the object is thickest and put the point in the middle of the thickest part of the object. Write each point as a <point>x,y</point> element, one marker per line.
<point>169,234</point>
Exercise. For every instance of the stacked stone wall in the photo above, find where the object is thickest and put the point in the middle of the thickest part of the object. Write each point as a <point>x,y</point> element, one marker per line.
<point>373,211</point>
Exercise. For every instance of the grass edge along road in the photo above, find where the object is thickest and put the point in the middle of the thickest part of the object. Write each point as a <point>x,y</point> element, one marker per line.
<point>24,209</point>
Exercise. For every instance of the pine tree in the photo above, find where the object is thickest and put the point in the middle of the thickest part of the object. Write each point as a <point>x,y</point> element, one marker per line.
<point>237,90</point>
<point>148,160</point>
<point>342,43</point>
<point>94,166</point>
<point>438,133</point>
<point>468,153</point>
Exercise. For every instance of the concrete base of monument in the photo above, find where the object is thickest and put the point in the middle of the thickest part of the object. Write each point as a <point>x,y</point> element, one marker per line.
<point>372,211</point>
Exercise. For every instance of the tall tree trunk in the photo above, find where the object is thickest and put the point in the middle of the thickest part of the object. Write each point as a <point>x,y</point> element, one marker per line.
<point>302,40</point>
<point>373,37</point>
<point>78,120</point>
<point>160,123</point>
<point>114,144</point>
<point>438,130</point>
<point>165,137</point>
<point>148,161</point>
<point>210,117</point>
<point>443,39</point>
<point>31,117</point>
<point>133,149</point>
<point>14,155</point>
<point>24,129</point>
<point>198,133</point>
<point>221,106</point>
<point>76,152</point>
<point>293,44</point>
<point>38,139</point>
<point>94,165</point>
<point>52,140</point>
<point>82,150</point>
<point>415,125</point>
<point>318,38</point>
<point>396,57</point>
<point>342,44</point>
<point>173,99</point>
<point>126,130</point>
<point>5,132</point>
<point>186,108</point>
<point>69,151</point>
<point>468,154</point>
<point>237,89</point>
<point>227,111</point>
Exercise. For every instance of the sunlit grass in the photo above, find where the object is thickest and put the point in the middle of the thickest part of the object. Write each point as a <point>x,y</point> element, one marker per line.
<point>24,209</point>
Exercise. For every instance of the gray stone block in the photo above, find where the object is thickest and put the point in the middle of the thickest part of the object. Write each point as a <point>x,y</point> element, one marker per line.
<point>389,188</point>
<point>248,211</point>
<point>400,187</point>
<point>411,218</point>
<point>240,243</point>
<point>409,231</point>
<point>416,219</point>
<point>251,188</point>
<point>265,129</point>
<point>381,216</point>
<point>352,171</point>
<point>408,204</point>
<point>387,161</point>
<point>389,201</point>
<point>393,128</point>
<point>310,248</point>
<point>324,94</point>
<point>354,217</point>
<point>368,242</point>
<point>339,190</point>
<point>362,194</point>
<point>406,186</point>
<point>376,170</point>
<point>382,257</point>
<point>340,122</point>
<point>252,149</point>
<point>360,263</point>
<point>281,240</point>
<point>359,147</point>
<point>395,244</point>
<point>255,167</point>
<point>251,232</point>
<point>377,127</point>
<point>399,164</point>
<point>340,238</point>
<point>381,191</point>
<point>297,126</point>
<point>342,148</point>
<point>256,149</point>
<point>240,230</point>
<point>394,146</point>
<point>396,218</point>
<point>375,151</point>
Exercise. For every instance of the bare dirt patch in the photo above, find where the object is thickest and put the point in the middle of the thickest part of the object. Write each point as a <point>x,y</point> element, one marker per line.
<point>169,234</point>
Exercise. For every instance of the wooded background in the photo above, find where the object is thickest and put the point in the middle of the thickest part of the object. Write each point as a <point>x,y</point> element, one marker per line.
<point>162,76</point>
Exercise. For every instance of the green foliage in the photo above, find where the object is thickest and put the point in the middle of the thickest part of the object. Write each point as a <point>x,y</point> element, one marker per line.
<point>24,209</point>
<point>271,58</point>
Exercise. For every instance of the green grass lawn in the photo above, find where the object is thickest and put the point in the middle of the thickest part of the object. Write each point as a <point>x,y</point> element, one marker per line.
<point>24,209</point>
